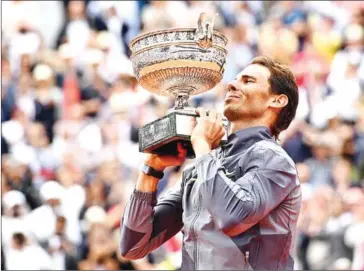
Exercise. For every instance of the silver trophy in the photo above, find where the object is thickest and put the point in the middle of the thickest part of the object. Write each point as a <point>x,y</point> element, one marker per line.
<point>177,62</point>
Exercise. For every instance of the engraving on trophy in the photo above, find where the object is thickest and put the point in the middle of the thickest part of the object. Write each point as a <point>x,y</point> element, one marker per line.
<point>177,62</point>
<point>157,131</point>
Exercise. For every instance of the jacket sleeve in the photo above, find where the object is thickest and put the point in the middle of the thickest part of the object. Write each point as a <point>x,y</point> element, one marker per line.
<point>147,224</point>
<point>236,206</point>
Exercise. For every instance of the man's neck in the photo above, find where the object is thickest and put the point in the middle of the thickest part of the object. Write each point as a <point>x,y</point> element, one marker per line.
<point>239,125</point>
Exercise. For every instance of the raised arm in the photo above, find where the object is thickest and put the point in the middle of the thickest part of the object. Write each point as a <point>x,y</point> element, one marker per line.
<point>148,223</point>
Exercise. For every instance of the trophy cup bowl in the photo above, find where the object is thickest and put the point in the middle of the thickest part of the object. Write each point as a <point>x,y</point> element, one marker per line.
<point>177,62</point>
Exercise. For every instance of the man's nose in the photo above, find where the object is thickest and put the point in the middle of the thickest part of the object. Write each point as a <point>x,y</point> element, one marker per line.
<point>231,86</point>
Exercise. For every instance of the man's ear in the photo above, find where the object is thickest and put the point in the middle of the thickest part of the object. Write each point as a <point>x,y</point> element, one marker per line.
<point>278,101</point>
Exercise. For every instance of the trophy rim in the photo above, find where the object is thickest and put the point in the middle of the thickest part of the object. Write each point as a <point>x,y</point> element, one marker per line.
<point>167,30</point>
<point>162,44</point>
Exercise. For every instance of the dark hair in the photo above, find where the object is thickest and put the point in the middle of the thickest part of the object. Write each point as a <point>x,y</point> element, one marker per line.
<point>19,238</point>
<point>281,81</point>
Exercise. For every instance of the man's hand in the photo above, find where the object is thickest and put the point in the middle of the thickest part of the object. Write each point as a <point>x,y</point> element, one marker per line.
<point>160,162</point>
<point>207,133</point>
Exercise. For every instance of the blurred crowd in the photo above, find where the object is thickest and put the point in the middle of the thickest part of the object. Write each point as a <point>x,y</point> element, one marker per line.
<point>71,108</point>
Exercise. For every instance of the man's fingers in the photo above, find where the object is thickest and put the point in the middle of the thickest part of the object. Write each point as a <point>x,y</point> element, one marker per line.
<point>182,151</point>
<point>219,119</point>
<point>212,115</point>
<point>192,122</point>
<point>219,137</point>
<point>202,112</point>
<point>222,133</point>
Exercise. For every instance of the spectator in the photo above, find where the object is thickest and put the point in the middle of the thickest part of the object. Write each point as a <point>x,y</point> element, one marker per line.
<point>18,176</point>
<point>8,91</point>
<point>76,29</point>
<point>354,234</point>
<point>240,52</point>
<point>52,194</point>
<point>23,254</point>
<point>47,98</point>
<point>60,248</point>
<point>320,164</point>
<point>44,162</point>
<point>158,15</point>
<point>342,175</point>
<point>15,210</point>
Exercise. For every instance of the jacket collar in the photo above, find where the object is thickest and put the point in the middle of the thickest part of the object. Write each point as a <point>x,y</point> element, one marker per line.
<point>245,138</point>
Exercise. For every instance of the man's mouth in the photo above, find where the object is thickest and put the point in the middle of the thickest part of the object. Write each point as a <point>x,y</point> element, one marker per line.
<point>232,96</point>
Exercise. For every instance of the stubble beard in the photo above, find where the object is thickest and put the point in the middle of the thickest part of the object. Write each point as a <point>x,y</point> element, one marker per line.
<point>232,113</point>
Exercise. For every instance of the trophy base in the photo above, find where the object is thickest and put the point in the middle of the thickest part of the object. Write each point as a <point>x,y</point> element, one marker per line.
<point>162,135</point>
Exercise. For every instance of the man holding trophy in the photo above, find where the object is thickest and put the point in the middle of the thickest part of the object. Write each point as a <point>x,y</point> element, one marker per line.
<point>238,204</point>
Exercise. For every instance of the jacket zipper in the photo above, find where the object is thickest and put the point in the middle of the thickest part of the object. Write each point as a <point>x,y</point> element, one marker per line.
<point>194,232</point>
<point>246,255</point>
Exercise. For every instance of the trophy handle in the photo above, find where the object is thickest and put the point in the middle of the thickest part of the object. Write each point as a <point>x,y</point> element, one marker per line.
<point>204,30</point>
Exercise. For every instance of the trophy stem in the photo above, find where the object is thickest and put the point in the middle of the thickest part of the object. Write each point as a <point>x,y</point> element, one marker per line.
<point>181,101</point>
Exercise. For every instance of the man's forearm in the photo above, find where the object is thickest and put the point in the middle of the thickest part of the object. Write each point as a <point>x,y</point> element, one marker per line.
<point>201,148</point>
<point>146,183</point>
<point>146,225</point>
<point>137,222</point>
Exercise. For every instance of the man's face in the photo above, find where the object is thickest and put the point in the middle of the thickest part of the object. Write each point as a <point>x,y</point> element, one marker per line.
<point>248,95</point>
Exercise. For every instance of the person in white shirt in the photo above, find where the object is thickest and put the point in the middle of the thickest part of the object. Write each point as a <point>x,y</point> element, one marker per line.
<point>58,201</point>
<point>15,210</point>
<point>25,254</point>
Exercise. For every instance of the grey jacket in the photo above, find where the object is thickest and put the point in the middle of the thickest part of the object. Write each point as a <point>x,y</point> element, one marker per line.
<point>237,208</point>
